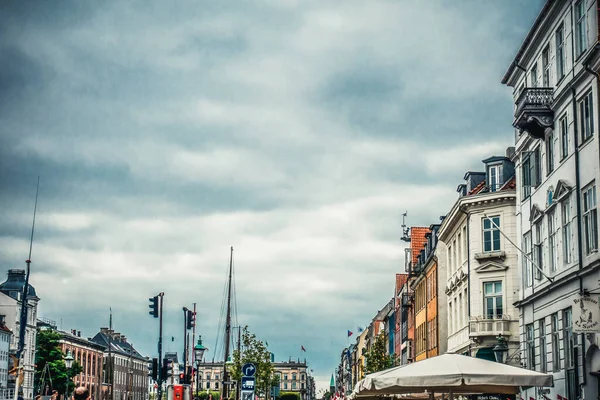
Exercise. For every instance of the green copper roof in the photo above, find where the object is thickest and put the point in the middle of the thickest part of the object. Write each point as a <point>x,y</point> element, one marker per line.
<point>332,383</point>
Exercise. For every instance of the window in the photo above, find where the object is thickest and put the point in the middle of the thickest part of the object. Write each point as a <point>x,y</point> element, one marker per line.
<point>293,377</point>
<point>550,153</point>
<point>450,317</point>
<point>294,385</point>
<point>552,242</point>
<point>459,312</point>
<point>208,377</point>
<point>217,377</point>
<point>533,75</point>
<point>555,343</point>
<point>527,281</point>
<point>302,377</point>
<point>580,31</point>
<point>538,254</point>
<point>565,208</point>
<point>546,66</point>
<point>590,219</point>
<point>491,234</point>
<point>531,171</point>
<point>492,297</point>
<point>564,138</point>
<point>570,341</point>
<point>285,377</point>
<point>560,52</point>
<point>208,385</point>
<point>216,385</point>
<point>586,117</point>
<point>285,385</point>
<point>495,177</point>
<point>542,332</point>
<point>530,346</point>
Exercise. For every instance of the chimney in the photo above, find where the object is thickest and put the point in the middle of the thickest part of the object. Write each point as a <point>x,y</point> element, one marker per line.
<point>123,339</point>
<point>104,331</point>
<point>510,152</point>
<point>117,336</point>
<point>78,333</point>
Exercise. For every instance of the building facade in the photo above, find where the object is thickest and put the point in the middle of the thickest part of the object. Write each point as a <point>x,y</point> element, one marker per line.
<point>481,262</point>
<point>294,376</point>
<point>429,301</point>
<point>89,355</point>
<point>129,377</point>
<point>10,304</point>
<point>554,78</point>
<point>5,339</point>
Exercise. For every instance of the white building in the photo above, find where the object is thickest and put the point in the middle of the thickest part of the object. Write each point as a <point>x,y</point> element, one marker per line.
<point>5,339</point>
<point>10,307</point>
<point>555,82</point>
<point>481,264</point>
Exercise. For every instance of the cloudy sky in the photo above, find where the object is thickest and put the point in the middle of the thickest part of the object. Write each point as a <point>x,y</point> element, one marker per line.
<point>296,131</point>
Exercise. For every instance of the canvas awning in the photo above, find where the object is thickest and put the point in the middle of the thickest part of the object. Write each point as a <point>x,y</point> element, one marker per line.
<point>451,373</point>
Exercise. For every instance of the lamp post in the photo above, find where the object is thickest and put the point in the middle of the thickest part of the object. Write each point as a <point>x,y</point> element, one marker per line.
<point>199,350</point>
<point>68,364</point>
<point>500,349</point>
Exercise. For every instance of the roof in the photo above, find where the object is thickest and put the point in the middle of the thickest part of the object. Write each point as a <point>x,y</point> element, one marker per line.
<point>510,184</point>
<point>477,189</point>
<point>117,346</point>
<point>417,241</point>
<point>15,282</point>
<point>528,39</point>
<point>71,338</point>
<point>4,328</point>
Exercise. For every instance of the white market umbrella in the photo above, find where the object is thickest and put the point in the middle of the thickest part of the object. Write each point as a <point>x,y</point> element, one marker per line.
<point>452,373</point>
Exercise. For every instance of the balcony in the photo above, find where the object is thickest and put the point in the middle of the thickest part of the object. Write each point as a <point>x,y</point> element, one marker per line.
<point>407,299</point>
<point>534,112</point>
<point>483,326</point>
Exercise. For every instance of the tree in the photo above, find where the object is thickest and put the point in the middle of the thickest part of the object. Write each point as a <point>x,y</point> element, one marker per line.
<point>254,351</point>
<point>377,357</point>
<point>48,353</point>
<point>289,396</point>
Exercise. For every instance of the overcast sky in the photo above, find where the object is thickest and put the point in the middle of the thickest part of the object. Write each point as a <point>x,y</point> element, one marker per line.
<point>296,131</point>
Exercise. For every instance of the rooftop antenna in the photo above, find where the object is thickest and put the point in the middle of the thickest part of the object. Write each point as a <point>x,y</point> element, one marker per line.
<point>24,299</point>
<point>405,230</point>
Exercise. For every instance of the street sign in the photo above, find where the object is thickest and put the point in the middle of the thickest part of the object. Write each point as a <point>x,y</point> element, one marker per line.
<point>248,369</point>
<point>248,383</point>
<point>247,395</point>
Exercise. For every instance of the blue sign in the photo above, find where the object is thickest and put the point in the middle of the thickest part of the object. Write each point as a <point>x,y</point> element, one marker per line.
<point>248,369</point>
<point>247,383</point>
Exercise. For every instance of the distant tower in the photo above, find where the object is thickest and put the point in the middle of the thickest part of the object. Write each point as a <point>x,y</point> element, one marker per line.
<point>332,385</point>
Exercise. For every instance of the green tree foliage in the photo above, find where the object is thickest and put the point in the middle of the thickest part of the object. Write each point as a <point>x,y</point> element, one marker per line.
<point>48,352</point>
<point>377,357</point>
<point>202,395</point>
<point>254,351</point>
<point>289,396</point>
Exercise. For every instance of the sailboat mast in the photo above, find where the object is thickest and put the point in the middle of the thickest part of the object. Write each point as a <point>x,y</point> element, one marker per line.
<point>227,331</point>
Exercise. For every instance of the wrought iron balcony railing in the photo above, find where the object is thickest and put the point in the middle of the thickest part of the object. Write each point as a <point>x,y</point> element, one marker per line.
<point>534,113</point>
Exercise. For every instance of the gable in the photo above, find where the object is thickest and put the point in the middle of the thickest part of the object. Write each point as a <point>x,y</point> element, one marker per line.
<point>562,190</point>
<point>491,267</point>
<point>535,214</point>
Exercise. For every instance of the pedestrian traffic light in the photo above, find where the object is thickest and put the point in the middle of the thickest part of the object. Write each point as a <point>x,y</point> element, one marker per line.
<point>153,306</point>
<point>182,378</point>
<point>164,374</point>
<point>191,319</point>
<point>153,369</point>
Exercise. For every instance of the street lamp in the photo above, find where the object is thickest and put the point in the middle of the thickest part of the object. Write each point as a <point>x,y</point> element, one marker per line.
<point>199,350</point>
<point>69,364</point>
<point>500,349</point>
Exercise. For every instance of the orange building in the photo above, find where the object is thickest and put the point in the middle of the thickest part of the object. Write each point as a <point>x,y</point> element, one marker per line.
<point>89,355</point>
<point>429,324</point>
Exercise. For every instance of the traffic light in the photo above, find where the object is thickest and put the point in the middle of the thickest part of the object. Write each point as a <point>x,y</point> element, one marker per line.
<point>182,378</point>
<point>153,369</point>
<point>191,319</point>
<point>153,306</point>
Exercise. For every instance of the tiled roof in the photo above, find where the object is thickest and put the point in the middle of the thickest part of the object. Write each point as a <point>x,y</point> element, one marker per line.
<point>510,184</point>
<point>417,241</point>
<point>4,328</point>
<point>477,189</point>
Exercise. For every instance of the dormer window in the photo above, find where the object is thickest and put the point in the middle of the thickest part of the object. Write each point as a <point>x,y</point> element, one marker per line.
<point>495,177</point>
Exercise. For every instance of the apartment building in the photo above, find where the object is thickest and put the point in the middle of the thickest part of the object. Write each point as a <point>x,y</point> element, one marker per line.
<point>554,77</point>
<point>429,302</point>
<point>481,262</point>
<point>129,377</point>
<point>10,302</point>
<point>89,355</point>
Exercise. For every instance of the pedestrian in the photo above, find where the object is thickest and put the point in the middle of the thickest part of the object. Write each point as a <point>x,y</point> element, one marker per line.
<point>54,395</point>
<point>81,393</point>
